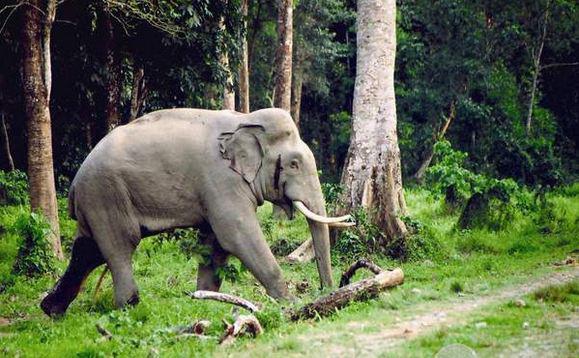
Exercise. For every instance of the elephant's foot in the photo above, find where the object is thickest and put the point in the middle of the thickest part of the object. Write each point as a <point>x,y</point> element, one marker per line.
<point>126,298</point>
<point>54,306</point>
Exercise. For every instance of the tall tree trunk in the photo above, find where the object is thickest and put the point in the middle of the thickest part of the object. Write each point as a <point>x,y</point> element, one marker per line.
<point>283,66</point>
<point>283,60</point>
<point>372,174</point>
<point>112,70</point>
<point>6,142</point>
<point>537,68</point>
<point>138,90</point>
<point>430,154</point>
<point>36,108</point>
<point>244,66</point>
<point>297,85</point>
<point>228,92</point>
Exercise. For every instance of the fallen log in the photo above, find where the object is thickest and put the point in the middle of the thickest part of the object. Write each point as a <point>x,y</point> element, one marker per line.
<point>357,291</point>
<point>243,324</point>
<point>224,297</point>
<point>104,332</point>
<point>346,276</point>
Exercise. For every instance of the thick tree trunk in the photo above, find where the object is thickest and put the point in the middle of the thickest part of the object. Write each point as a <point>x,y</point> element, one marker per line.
<point>6,144</point>
<point>138,90</point>
<point>36,108</point>
<point>372,174</point>
<point>112,70</point>
<point>283,60</point>
<point>244,66</point>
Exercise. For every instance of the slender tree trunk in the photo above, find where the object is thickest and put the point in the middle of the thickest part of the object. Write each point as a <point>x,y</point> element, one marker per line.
<point>228,92</point>
<point>244,66</point>
<point>138,90</point>
<point>283,60</point>
<point>36,108</point>
<point>537,69</point>
<point>297,85</point>
<point>6,142</point>
<point>112,70</point>
<point>372,174</point>
<point>430,154</point>
<point>283,66</point>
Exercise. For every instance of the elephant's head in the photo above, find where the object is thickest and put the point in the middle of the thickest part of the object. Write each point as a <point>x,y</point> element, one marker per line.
<point>267,151</point>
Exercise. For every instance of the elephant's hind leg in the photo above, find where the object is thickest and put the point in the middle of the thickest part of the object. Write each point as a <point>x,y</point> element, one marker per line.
<point>208,276</point>
<point>85,257</point>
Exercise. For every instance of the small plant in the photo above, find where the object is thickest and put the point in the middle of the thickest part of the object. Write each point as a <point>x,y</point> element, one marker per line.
<point>34,256</point>
<point>364,238</point>
<point>456,287</point>
<point>13,187</point>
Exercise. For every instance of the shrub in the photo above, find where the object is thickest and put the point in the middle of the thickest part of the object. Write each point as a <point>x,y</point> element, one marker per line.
<point>35,255</point>
<point>364,238</point>
<point>13,187</point>
<point>422,243</point>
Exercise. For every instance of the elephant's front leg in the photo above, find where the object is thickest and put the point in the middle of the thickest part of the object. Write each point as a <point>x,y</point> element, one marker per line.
<point>238,232</point>
<point>208,275</point>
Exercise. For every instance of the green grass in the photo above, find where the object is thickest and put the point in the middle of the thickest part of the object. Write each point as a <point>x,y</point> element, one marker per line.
<point>469,263</point>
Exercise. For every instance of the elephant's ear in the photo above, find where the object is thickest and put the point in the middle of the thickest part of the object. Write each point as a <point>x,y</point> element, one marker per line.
<point>243,149</point>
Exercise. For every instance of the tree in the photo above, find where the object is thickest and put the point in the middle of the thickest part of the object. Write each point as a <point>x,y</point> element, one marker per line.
<point>283,66</point>
<point>38,17</point>
<point>244,65</point>
<point>283,60</point>
<point>372,176</point>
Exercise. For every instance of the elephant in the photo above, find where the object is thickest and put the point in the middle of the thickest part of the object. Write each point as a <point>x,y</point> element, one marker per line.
<point>181,168</point>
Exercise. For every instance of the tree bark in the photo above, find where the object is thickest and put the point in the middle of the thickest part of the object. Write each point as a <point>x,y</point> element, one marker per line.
<point>372,173</point>
<point>430,154</point>
<point>244,66</point>
<point>138,90</point>
<point>36,108</point>
<point>283,60</point>
<point>6,142</point>
<point>112,73</point>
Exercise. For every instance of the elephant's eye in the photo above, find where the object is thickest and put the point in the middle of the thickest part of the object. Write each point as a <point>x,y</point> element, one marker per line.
<point>295,164</point>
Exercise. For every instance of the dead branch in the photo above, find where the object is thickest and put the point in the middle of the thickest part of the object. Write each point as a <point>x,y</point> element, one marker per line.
<point>357,265</point>
<point>104,332</point>
<point>224,297</point>
<point>357,291</point>
<point>198,328</point>
<point>243,324</point>
<point>99,283</point>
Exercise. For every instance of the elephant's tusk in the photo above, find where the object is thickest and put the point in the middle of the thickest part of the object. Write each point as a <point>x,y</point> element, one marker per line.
<point>313,216</point>
<point>342,224</point>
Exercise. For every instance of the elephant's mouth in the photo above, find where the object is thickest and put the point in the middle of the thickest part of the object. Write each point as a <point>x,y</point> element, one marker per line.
<point>288,206</point>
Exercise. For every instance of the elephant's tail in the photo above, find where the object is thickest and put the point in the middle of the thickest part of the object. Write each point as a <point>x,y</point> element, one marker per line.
<point>71,204</point>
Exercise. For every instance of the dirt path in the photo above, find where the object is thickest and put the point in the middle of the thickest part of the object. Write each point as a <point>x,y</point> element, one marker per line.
<point>428,317</point>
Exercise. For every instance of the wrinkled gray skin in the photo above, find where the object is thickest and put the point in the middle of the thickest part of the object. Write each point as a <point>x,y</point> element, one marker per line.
<point>181,168</point>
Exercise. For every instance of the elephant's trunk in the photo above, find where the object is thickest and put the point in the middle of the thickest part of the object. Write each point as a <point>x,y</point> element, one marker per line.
<point>321,240</point>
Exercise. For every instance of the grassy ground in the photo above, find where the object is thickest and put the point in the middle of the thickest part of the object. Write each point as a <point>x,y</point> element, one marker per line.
<point>450,263</point>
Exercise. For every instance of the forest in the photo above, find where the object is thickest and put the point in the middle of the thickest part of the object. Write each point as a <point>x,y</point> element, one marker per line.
<point>431,144</point>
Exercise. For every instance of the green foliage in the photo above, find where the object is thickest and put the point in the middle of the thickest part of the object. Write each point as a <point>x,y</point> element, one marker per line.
<point>559,293</point>
<point>422,242</point>
<point>35,252</point>
<point>13,187</point>
<point>188,241</point>
<point>360,240</point>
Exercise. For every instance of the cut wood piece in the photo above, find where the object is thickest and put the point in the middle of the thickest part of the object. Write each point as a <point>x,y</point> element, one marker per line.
<point>357,291</point>
<point>224,297</point>
<point>243,324</point>
<point>351,271</point>
<point>304,253</point>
